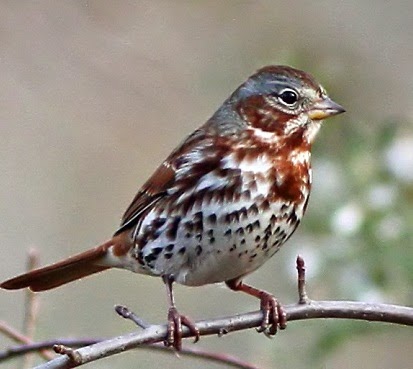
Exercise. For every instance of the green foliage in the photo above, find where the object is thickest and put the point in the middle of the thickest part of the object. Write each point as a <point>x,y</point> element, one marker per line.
<point>367,220</point>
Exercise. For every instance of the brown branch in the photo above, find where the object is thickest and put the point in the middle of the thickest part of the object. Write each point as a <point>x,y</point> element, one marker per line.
<point>229,360</point>
<point>313,310</point>
<point>152,334</point>
<point>19,350</point>
<point>31,307</point>
<point>30,318</point>
<point>302,292</point>
<point>21,338</point>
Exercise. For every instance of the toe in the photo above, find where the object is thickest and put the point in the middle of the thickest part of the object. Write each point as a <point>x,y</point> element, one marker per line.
<point>191,326</point>
<point>174,334</point>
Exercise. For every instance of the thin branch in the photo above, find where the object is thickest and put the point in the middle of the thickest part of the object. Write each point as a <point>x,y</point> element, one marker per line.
<point>313,310</point>
<point>21,338</point>
<point>125,313</point>
<point>18,350</point>
<point>302,291</point>
<point>31,302</point>
<point>229,360</point>
<point>153,334</point>
<point>30,318</point>
<point>31,306</point>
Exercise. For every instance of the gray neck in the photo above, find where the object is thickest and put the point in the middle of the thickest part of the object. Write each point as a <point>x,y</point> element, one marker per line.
<point>226,121</point>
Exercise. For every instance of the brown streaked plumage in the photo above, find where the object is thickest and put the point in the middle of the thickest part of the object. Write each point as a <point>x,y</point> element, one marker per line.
<point>222,203</point>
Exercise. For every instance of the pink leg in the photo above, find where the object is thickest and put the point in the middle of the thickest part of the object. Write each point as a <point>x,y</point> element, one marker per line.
<point>176,320</point>
<point>273,313</point>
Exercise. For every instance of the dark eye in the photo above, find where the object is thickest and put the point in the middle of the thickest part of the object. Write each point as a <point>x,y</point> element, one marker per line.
<point>289,97</point>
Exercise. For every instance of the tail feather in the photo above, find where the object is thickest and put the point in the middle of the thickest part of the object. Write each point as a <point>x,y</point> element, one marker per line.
<point>68,270</point>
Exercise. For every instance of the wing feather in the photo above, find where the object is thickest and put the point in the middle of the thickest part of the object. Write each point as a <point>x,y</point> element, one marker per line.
<point>164,178</point>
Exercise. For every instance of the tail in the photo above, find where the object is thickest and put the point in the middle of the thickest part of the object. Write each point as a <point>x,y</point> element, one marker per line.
<point>65,271</point>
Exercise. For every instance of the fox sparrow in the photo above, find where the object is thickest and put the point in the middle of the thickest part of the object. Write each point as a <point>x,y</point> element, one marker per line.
<point>222,203</point>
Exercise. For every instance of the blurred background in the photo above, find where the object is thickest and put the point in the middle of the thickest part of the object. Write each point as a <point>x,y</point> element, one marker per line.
<point>95,94</point>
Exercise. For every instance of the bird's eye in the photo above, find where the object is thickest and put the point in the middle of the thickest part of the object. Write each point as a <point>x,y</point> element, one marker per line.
<point>288,97</point>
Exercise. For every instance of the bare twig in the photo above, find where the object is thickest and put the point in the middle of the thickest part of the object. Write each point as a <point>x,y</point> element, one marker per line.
<point>153,334</point>
<point>229,360</point>
<point>313,310</point>
<point>30,318</point>
<point>12,333</point>
<point>302,293</point>
<point>125,313</point>
<point>31,306</point>
<point>74,356</point>
<point>18,350</point>
<point>21,338</point>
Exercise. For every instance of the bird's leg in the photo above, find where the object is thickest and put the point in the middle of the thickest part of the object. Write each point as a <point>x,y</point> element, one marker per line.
<point>274,315</point>
<point>176,320</point>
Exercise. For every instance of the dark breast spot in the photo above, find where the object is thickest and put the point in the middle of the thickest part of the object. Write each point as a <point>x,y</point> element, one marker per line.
<point>253,210</point>
<point>243,213</point>
<point>246,195</point>
<point>157,250</point>
<point>212,219</point>
<point>170,247</point>
<point>265,205</point>
<point>140,258</point>
<point>273,219</point>
<point>150,258</point>
<point>276,243</point>
<point>249,228</point>
<point>240,231</point>
<point>198,223</point>
<point>158,222</point>
<point>198,216</point>
<point>292,218</point>
<point>173,228</point>
<point>189,226</point>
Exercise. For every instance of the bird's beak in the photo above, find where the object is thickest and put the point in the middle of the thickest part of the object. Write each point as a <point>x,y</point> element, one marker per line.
<point>325,108</point>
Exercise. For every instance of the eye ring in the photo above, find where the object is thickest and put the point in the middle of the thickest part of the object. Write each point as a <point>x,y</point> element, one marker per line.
<point>288,97</point>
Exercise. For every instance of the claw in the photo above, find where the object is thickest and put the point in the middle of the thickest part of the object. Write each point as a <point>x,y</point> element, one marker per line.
<point>274,316</point>
<point>191,326</point>
<point>174,335</point>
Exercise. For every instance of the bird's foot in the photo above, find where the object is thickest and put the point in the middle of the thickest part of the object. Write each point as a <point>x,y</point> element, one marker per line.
<point>274,316</point>
<point>175,322</point>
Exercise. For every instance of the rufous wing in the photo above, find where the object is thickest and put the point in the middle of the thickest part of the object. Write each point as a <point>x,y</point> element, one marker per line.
<point>152,191</point>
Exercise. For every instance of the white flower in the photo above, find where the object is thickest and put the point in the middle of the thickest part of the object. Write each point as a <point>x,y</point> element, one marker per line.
<point>382,196</point>
<point>348,220</point>
<point>399,158</point>
<point>390,228</point>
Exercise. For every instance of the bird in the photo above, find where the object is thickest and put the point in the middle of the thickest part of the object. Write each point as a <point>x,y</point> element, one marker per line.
<point>222,203</point>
